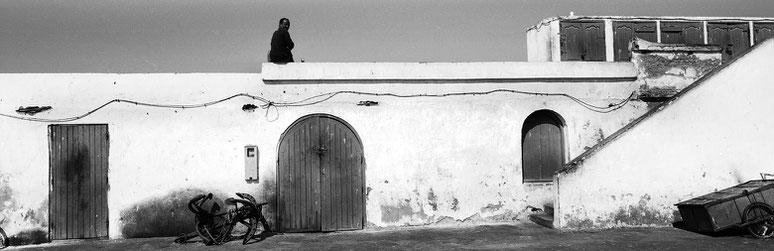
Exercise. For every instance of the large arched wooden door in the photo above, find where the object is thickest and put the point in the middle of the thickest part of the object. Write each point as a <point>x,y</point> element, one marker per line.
<point>542,146</point>
<point>320,176</point>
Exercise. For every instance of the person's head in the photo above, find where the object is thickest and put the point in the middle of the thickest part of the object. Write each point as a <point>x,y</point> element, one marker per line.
<point>284,23</point>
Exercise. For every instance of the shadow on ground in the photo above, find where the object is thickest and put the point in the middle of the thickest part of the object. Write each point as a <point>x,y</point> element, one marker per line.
<point>734,231</point>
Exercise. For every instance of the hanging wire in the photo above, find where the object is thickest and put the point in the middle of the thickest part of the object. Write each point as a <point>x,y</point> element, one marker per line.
<point>326,96</point>
<point>316,99</point>
<point>70,119</point>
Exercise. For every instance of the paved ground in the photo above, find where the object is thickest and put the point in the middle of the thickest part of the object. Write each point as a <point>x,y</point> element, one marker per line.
<point>527,236</point>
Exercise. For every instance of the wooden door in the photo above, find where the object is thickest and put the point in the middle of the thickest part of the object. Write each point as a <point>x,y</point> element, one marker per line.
<point>341,177</point>
<point>320,176</point>
<point>542,147</point>
<point>78,168</point>
<point>299,178</point>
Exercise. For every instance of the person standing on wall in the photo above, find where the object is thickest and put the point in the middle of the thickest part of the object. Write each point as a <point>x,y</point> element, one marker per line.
<point>281,44</point>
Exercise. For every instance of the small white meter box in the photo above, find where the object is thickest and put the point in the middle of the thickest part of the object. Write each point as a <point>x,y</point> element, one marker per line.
<point>251,163</point>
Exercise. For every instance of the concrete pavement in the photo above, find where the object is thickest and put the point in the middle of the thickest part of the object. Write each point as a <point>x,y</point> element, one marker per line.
<point>525,236</point>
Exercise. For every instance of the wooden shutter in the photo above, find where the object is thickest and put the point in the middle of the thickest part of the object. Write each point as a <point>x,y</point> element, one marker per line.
<point>763,31</point>
<point>624,32</point>
<point>734,38</point>
<point>682,33</point>
<point>582,40</point>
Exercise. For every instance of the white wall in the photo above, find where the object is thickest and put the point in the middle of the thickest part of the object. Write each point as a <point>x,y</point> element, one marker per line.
<point>539,43</point>
<point>716,135</point>
<point>428,160</point>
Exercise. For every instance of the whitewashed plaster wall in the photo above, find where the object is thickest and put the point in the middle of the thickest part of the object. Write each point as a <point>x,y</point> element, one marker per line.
<point>539,42</point>
<point>428,160</point>
<point>716,135</point>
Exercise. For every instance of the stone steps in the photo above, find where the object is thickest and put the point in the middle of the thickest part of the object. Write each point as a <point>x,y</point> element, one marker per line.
<point>544,218</point>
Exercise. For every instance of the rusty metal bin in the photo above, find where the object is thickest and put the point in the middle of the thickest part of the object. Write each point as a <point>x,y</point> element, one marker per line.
<point>724,209</point>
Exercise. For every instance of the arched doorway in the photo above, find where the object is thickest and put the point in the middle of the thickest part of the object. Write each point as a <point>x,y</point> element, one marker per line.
<point>320,176</point>
<point>542,146</point>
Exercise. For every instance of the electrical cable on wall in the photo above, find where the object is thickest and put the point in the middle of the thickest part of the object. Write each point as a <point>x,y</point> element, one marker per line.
<point>316,99</point>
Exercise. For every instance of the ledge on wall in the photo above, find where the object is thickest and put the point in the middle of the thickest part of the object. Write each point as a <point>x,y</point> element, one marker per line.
<point>468,72</point>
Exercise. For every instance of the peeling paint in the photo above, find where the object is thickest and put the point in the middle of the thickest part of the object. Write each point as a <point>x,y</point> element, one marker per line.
<point>640,215</point>
<point>506,216</point>
<point>599,135</point>
<point>18,217</point>
<point>432,200</point>
<point>574,223</point>
<point>492,207</point>
<point>403,209</point>
<point>655,66</point>
<point>455,204</point>
<point>6,195</point>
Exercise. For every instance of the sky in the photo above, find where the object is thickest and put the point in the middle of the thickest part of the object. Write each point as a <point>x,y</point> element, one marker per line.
<point>150,36</point>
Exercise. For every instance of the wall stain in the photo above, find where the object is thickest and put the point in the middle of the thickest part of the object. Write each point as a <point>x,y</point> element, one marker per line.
<point>163,216</point>
<point>507,215</point>
<point>6,194</point>
<point>599,135</point>
<point>455,204</point>
<point>23,216</point>
<point>492,207</point>
<point>640,215</point>
<point>266,192</point>
<point>396,213</point>
<point>77,168</point>
<point>432,200</point>
<point>656,66</point>
<point>575,223</point>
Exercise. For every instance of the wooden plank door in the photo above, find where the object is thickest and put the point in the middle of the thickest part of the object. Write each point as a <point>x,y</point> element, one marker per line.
<point>341,178</point>
<point>299,178</point>
<point>320,177</point>
<point>78,170</point>
<point>542,147</point>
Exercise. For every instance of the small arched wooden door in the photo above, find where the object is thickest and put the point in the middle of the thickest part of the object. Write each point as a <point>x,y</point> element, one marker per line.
<point>542,146</point>
<point>320,176</point>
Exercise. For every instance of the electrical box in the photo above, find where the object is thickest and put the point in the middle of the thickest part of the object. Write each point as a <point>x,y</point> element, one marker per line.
<point>251,163</point>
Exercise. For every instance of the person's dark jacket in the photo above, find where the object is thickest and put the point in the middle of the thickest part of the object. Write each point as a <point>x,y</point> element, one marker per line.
<point>281,44</point>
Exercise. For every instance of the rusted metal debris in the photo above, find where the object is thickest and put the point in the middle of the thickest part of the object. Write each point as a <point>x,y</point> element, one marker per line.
<point>31,110</point>
<point>214,227</point>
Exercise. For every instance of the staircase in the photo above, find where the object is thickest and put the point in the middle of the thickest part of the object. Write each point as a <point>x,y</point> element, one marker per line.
<point>544,218</point>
